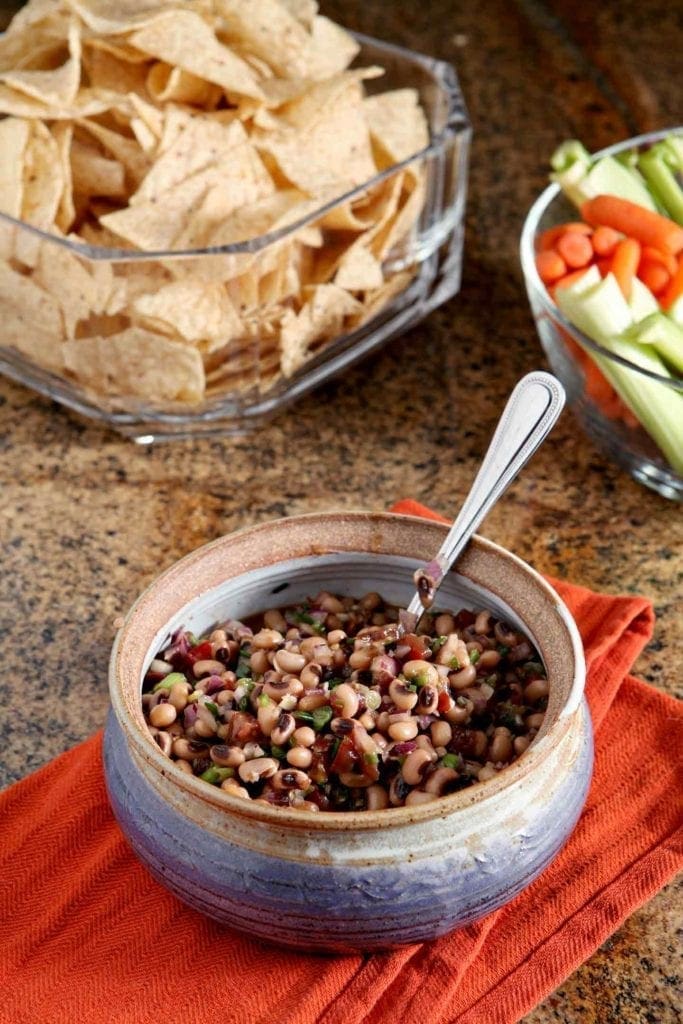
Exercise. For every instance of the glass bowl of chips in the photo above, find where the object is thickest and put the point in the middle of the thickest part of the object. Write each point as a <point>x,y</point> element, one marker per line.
<point>208,212</point>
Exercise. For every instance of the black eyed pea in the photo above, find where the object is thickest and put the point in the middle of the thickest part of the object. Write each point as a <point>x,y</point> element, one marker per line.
<point>403,731</point>
<point>344,700</point>
<point>535,721</point>
<point>207,667</point>
<point>305,805</point>
<point>371,601</point>
<point>463,678</point>
<point>500,747</point>
<point>288,661</point>
<point>376,798</point>
<point>487,772</point>
<point>162,715</point>
<point>398,791</point>
<point>423,743</point>
<point>294,685</point>
<point>274,619</point>
<point>537,689</point>
<point>382,723</point>
<point>441,733</point>
<point>258,768</point>
<point>361,658</point>
<point>353,781</point>
<point>439,781</point>
<point>342,726</point>
<point>225,756</point>
<point>323,655</point>
<point>421,672</point>
<point>335,636</point>
<point>310,675</point>
<point>304,736</point>
<point>233,787</point>
<point>224,697</point>
<point>459,714</point>
<point>178,694</point>
<point>258,662</point>
<point>428,700</point>
<point>403,698</point>
<point>520,744</point>
<point>267,639</point>
<point>307,647</point>
<point>313,699</point>
<point>482,623</point>
<point>415,765</point>
<point>267,716</point>
<point>185,767</point>
<point>444,624</point>
<point>284,727</point>
<point>187,750</point>
<point>488,659</point>
<point>276,688</point>
<point>299,757</point>
<point>328,602</point>
<point>368,720</point>
<point>289,778</point>
<point>205,724</point>
<point>420,796</point>
<point>253,750</point>
<point>165,742</point>
<point>454,648</point>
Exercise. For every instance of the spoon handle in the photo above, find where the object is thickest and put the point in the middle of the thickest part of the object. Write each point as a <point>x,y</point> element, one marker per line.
<point>528,417</point>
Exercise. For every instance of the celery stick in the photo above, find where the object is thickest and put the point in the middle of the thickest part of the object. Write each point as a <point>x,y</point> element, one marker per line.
<point>642,301</point>
<point>580,179</point>
<point>665,336</point>
<point>601,312</point>
<point>657,166</point>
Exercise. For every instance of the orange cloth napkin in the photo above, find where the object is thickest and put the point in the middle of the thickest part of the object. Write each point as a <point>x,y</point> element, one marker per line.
<point>86,935</point>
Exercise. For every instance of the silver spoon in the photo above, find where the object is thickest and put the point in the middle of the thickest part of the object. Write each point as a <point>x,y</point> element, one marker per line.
<point>528,417</point>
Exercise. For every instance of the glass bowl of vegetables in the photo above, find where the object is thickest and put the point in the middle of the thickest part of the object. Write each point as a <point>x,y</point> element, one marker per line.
<point>602,257</point>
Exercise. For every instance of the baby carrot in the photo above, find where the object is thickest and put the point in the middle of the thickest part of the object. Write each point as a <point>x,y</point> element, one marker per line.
<point>674,288</point>
<point>645,226</point>
<point>663,259</point>
<point>654,276</point>
<point>625,264</point>
<point>550,266</point>
<point>605,240</point>
<point>575,249</point>
<point>547,238</point>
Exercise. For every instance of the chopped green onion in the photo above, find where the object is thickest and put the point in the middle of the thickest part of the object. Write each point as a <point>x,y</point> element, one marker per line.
<point>321,716</point>
<point>303,716</point>
<point>475,655</point>
<point>168,681</point>
<point>216,775</point>
<point>278,752</point>
<point>371,758</point>
<point>264,700</point>
<point>454,664</point>
<point>213,708</point>
<point>451,761</point>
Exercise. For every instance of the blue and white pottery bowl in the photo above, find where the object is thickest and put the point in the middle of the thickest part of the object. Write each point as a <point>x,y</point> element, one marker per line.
<point>358,880</point>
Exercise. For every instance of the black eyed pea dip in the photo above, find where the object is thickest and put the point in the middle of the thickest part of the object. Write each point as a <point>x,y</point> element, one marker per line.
<point>323,706</point>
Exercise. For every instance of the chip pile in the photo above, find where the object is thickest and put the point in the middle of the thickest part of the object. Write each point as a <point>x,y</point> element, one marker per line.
<point>155,127</point>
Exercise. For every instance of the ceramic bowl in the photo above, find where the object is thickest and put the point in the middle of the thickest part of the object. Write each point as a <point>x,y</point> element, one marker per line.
<point>359,880</point>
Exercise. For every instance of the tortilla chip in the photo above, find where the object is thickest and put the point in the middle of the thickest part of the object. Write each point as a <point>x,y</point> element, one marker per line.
<point>321,317</point>
<point>331,50</point>
<point>58,87</point>
<point>139,363</point>
<point>267,30</point>
<point>62,133</point>
<point>303,10</point>
<point>184,39</point>
<point>106,70</point>
<point>193,310</point>
<point>166,83</point>
<point>397,124</point>
<point>63,276</point>
<point>31,319</point>
<point>403,225</point>
<point>94,174</point>
<point>105,17</point>
<point>125,150</point>
<point>43,178</point>
<point>359,270</point>
<point>14,136</point>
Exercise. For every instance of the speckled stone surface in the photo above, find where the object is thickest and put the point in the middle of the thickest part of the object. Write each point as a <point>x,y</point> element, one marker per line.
<point>88,519</point>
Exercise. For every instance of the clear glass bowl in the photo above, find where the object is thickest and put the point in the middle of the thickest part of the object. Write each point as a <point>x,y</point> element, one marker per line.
<point>618,434</point>
<point>421,269</point>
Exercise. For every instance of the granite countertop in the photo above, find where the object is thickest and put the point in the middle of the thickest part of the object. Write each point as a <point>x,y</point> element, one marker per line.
<point>88,519</point>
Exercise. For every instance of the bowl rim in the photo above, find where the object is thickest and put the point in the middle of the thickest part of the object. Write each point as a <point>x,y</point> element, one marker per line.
<point>456,123</point>
<point>540,292</point>
<point>143,746</point>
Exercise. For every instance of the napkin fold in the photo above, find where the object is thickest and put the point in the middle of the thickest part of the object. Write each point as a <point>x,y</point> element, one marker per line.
<point>86,935</point>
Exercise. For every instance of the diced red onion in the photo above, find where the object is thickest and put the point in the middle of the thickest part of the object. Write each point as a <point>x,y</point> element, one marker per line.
<point>406,747</point>
<point>212,685</point>
<point>190,715</point>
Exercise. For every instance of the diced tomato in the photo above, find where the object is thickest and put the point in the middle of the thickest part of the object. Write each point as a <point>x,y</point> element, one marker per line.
<point>201,652</point>
<point>446,702</point>
<point>419,645</point>
<point>464,618</point>
<point>346,757</point>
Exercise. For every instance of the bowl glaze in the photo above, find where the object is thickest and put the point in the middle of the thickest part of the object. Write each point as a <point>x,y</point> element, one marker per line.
<point>346,881</point>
